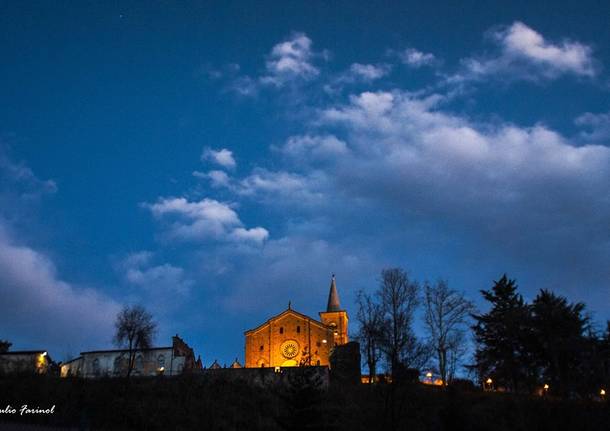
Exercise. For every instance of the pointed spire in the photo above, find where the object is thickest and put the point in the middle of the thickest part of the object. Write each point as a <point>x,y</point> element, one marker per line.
<point>333,297</point>
<point>290,305</point>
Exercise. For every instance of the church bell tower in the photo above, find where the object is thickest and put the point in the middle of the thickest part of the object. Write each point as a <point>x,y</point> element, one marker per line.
<point>334,316</point>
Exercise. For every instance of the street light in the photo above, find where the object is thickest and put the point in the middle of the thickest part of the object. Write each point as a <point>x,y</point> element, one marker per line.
<point>602,392</point>
<point>487,385</point>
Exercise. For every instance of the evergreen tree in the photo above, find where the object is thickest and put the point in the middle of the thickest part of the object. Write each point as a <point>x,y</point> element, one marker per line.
<point>559,344</point>
<point>594,363</point>
<point>502,335</point>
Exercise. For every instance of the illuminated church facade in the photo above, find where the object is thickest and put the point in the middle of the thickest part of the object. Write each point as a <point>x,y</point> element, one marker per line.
<point>291,338</point>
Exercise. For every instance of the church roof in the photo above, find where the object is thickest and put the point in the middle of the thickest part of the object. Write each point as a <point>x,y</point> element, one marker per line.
<point>333,297</point>
<point>285,312</point>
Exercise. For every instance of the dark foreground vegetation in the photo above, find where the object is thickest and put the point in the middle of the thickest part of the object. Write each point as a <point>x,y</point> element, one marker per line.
<point>207,403</point>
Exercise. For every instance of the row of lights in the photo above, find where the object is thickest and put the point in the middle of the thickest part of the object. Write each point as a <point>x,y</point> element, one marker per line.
<point>489,382</point>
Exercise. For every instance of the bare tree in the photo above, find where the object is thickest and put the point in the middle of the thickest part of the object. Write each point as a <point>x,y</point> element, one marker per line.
<point>135,330</point>
<point>370,320</point>
<point>446,317</point>
<point>399,298</point>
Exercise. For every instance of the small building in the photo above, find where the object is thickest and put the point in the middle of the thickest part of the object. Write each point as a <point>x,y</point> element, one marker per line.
<point>292,339</point>
<point>171,360</point>
<point>27,361</point>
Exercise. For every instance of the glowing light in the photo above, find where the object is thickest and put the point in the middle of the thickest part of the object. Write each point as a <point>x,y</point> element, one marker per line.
<point>277,369</point>
<point>161,369</point>
<point>429,375</point>
<point>324,341</point>
<point>546,387</point>
<point>489,381</point>
<point>602,392</point>
<point>44,354</point>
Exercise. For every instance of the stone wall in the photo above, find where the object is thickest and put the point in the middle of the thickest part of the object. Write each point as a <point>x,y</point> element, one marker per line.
<point>269,376</point>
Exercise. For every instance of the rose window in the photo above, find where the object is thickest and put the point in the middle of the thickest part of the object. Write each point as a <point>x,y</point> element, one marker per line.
<point>289,349</point>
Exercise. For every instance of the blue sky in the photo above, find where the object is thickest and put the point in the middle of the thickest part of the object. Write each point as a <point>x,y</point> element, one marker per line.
<point>213,161</point>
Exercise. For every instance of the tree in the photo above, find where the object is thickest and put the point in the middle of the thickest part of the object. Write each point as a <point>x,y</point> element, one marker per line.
<point>370,320</point>
<point>502,335</point>
<point>5,345</point>
<point>446,315</point>
<point>398,298</point>
<point>135,330</point>
<point>559,340</point>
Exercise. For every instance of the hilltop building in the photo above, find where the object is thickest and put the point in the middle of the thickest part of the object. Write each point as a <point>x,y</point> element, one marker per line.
<point>171,360</point>
<point>27,361</point>
<point>291,338</point>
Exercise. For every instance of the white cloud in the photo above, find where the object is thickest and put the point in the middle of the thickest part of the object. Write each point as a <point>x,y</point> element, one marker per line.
<point>301,265</point>
<point>217,178</point>
<point>38,306</point>
<point>266,186</point>
<point>222,157</point>
<point>244,86</point>
<point>598,126</point>
<point>289,60</point>
<point>520,40</point>
<point>267,181</point>
<point>525,54</point>
<point>307,147</point>
<point>414,58</point>
<point>357,74</point>
<point>19,181</point>
<point>257,234</point>
<point>369,72</point>
<point>204,219</point>
<point>160,280</point>
<point>280,187</point>
<point>527,188</point>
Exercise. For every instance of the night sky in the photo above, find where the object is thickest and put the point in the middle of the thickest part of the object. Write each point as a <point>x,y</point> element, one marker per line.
<point>213,161</point>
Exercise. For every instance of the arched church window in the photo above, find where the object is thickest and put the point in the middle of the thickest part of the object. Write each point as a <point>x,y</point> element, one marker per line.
<point>261,348</point>
<point>298,329</point>
<point>281,329</point>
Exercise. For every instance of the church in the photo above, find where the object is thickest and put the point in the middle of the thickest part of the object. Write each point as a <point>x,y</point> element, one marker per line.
<point>292,339</point>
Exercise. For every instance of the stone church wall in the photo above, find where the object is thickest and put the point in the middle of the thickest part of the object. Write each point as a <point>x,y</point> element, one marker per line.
<point>272,344</point>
